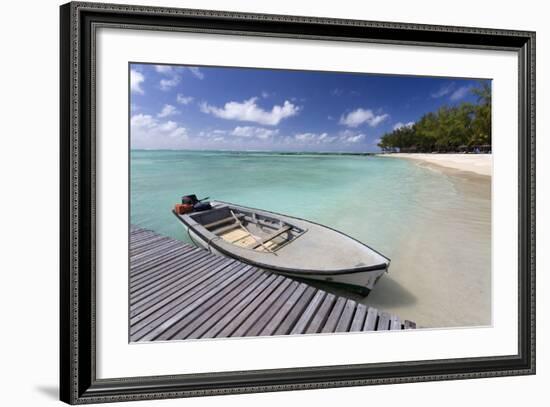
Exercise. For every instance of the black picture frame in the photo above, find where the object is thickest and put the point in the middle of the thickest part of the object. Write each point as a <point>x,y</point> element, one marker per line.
<point>78,382</point>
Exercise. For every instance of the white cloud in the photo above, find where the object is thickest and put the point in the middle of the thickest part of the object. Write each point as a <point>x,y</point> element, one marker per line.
<point>257,132</point>
<point>172,78</point>
<point>325,138</point>
<point>148,132</point>
<point>164,69</point>
<point>345,137</point>
<point>249,111</point>
<point>196,72</point>
<point>350,136</point>
<point>400,125</point>
<point>167,110</point>
<point>361,116</point>
<point>136,79</point>
<point>306,136</point>
<point>167,84</point>
<point>314,138</point>
<point>355,139</point>
<point>265,94</point>
<point>184,100</point>
<point>443,90</point>
<point>460,93</point>
<point>452,91</point>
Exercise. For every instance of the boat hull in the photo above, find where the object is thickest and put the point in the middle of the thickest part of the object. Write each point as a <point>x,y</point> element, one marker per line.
<point>360,281</point>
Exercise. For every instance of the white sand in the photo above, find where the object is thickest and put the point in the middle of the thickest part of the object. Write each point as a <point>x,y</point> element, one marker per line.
<point>481,164</point>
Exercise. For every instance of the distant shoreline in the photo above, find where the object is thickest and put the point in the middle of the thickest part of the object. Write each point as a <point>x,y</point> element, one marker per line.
<point>481,164</point>
<point>263,152</point>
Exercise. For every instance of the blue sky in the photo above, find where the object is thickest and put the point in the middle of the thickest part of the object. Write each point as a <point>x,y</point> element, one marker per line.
<point>212,108</point>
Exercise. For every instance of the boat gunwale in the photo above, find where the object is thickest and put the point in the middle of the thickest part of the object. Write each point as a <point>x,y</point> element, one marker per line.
<point>212,243</point>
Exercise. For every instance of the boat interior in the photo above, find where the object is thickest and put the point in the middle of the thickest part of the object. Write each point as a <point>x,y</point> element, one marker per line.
<point>248,229</point>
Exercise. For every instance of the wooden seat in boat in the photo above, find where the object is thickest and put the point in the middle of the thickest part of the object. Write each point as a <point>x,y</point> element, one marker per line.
<point>272,236</point>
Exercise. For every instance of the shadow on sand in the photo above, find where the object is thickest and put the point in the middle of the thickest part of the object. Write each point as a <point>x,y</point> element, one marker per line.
<point>387,293</point>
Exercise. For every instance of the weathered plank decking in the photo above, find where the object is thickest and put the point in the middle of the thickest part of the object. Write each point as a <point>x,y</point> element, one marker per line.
<point>178,291</point>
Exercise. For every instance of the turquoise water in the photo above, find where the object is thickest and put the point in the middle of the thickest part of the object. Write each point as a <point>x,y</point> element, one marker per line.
<point>435,226</point>
<point>363,196</point>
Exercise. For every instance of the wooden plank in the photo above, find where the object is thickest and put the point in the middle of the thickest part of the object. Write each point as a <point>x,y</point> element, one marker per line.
<point>194,282</point>
<point>234,324</point>
<point>147,248</point>
<point>176,266</point>
<point>178,297</point>
<point>345,319</point>
<point>156,272</point>
<point>409,324</point>
<point>257,320</point>
<point>295,312</point>
<point>154,252</point>
<point>155,294</point>
<point>370,321</point>
<point>154,248</point>
<point>282,312</point>
<point>321,315</point>
<point>395,323</point>
<point>146,271</point>
<point>358,318</point>
<point>303,321</point>
<point>334,317</point>
<point>138,244</point>
<point>148,263</point>
<point>383,321</point>
<point>266,318</point>
<point>205,306</point>
<point>139,235</point>
<point>157,256</point>
<point>136,269</point>
<point>172,269</point>
<point>149,327</point>
<point>191,305</point>
<point>244,301</point>
<point>135,245</point>
<point>204,323</point>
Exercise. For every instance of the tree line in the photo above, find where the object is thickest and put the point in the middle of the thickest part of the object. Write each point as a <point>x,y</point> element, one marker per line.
<point>465,127</point>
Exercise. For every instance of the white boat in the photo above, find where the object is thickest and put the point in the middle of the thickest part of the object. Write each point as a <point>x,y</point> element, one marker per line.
<point>285,245</point>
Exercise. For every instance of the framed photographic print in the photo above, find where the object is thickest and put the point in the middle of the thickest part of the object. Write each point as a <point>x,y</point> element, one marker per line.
<point>256,203</point>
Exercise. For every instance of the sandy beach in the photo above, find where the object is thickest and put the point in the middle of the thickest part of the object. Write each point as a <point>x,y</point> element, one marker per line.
<point>440,275</point>
<point>481,164</point>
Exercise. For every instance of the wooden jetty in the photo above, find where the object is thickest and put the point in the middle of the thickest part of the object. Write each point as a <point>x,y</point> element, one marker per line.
<point>178,291</point>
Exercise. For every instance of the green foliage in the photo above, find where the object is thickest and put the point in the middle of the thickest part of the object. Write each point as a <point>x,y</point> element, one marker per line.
<point>449,129</point>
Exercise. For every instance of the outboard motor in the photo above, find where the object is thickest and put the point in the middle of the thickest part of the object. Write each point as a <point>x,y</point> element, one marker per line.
<point>189,199</point>
<point>195,204</point>
<point>202,206</point>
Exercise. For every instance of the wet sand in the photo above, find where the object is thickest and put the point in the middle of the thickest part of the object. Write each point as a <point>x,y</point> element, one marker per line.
<point>481,164</point>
